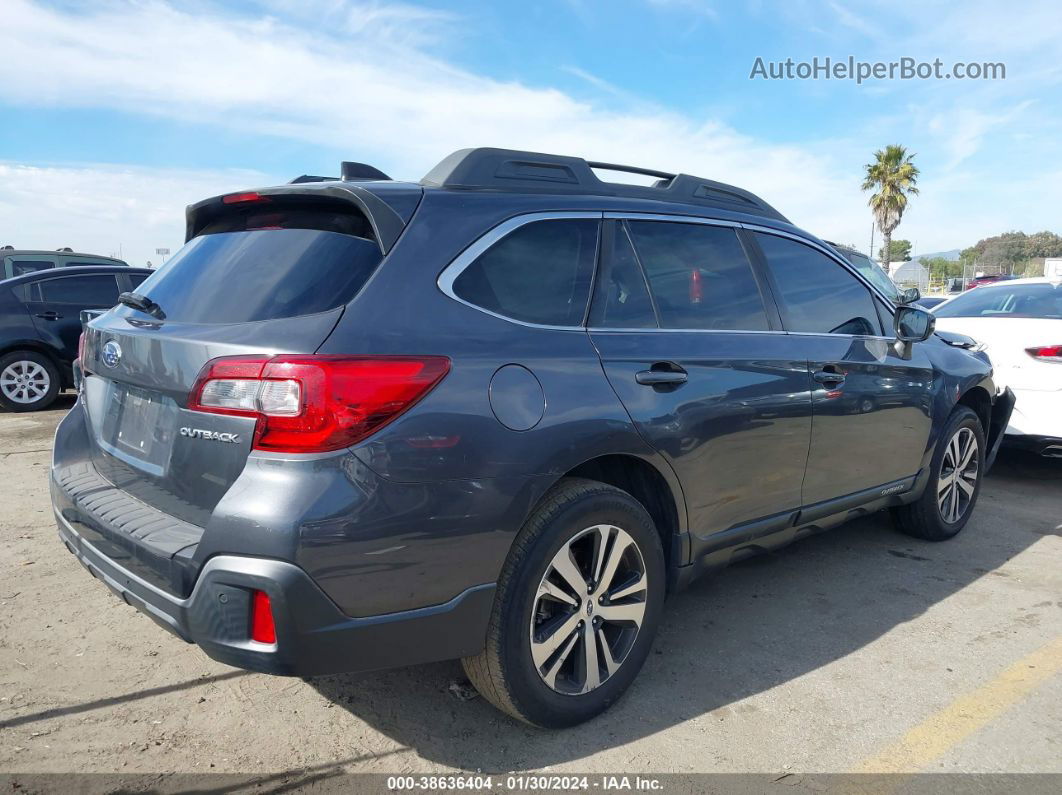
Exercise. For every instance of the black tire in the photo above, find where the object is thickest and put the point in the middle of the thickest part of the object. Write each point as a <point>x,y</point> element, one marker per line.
<point>505,672</point>
<point>14,399</point>
<point>925,518</point>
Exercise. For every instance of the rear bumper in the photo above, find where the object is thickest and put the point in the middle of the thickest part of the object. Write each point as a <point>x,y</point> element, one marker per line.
<point>1036,414</point>
<point>1047,446</point>
<point>314,637</point>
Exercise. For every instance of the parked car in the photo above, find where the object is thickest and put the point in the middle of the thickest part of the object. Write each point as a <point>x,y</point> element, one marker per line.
<point>930,301</point>
<point>1019,322</point>
<point>18,262</point>
<point>978,281</point>
<point>40,325</point>
<point>495,415</point>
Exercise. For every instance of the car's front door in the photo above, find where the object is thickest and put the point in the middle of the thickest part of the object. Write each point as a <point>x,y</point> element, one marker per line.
<point>871,405</point>
<point>55,303</point>
<point>690,341</point>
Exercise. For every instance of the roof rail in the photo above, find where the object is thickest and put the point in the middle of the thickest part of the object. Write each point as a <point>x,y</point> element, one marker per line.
<point>509,169</point>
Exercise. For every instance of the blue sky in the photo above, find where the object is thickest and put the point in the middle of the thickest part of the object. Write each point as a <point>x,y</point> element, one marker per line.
<point>118,113</point>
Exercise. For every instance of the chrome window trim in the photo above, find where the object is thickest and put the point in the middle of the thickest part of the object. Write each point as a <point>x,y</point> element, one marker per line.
<point>679,219</point>
<point>611,330</point>
<point>449,274</point>
<point>446,279</point>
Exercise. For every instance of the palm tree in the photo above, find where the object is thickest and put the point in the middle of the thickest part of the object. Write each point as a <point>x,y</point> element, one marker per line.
<point>894,176</point>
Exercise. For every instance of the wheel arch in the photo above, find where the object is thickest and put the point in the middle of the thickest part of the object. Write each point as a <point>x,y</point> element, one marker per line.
<point>42,348</point>
<point>657,490</point>
<point>978,399</point>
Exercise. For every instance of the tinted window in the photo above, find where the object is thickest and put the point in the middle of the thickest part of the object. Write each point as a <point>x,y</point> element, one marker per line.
<point>1019,300</point>
<point>699,276</point>
<point>21,266</point>
<point>621,298</point>
<point>873,273</point>
<point>136,279</point>
<point>816,293</point>
<point>539,273</point>
<point>86,291</point>
<point>236,277</point>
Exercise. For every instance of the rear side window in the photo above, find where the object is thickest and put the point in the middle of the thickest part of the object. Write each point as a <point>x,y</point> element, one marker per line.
<point>539,273</point>
<point>136,279</point>
<point>816,294</point>
<point>699,276</point>
<point>86,291</point>
<point>265,269</point>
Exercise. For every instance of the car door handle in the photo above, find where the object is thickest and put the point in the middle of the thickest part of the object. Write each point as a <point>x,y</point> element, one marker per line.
<point>49,315</point>
<point>661,377</point>
<point>829,375</point>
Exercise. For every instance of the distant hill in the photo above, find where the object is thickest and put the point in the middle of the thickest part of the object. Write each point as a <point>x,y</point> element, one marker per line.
<point>951,256</point>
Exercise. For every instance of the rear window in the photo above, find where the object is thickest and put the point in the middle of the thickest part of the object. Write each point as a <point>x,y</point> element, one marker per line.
<point>265,269</point>
<point>1020,300</point>
<point>539,273</point>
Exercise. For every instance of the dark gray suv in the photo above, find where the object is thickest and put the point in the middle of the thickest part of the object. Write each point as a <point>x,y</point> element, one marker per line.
<point>495,415</point>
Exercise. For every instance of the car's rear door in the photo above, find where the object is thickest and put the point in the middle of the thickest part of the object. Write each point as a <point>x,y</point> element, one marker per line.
<point>872,407</point>
<point>55,302</point>
<point>690,341</point>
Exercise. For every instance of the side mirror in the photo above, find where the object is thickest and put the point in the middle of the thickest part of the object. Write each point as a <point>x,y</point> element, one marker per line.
<point>910,295</point>
<point>913,324</point>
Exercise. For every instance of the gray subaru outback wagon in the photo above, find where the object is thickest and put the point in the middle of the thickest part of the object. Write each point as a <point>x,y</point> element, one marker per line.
<point>495,415</point>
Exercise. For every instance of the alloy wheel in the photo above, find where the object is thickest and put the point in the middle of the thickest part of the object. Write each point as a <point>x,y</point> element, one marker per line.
<point>957,482</point>
<point>588,609</point>
<point>25,382</point>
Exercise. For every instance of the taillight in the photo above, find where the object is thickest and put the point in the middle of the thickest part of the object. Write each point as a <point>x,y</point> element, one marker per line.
<point>309,403</point>
<point>263,629</point>
<point>240,198</point>
<point>1046,353</point>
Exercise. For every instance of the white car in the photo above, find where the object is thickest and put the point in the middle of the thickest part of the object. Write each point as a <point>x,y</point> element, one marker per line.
<point>1019,322</point>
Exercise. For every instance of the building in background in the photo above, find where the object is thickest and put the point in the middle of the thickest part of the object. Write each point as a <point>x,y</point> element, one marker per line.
<point>909,274</point>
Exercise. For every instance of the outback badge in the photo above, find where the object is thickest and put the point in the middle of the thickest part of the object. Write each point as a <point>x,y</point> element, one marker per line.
<point>213,436</point>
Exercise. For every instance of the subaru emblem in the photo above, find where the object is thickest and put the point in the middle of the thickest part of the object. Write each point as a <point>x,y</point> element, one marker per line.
<point>112,354</point>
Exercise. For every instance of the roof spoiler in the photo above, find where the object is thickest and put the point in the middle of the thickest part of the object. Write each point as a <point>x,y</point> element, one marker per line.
<point>349,172</point>
<point>514,170</point>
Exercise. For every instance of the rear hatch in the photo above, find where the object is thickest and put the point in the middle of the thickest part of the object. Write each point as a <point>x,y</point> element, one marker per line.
<point>262,275</point>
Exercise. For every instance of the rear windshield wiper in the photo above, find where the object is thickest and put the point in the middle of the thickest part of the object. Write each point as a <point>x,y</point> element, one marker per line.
<point>143,303</point>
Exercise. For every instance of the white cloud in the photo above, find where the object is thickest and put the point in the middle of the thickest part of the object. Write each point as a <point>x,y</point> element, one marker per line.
<point>366,78</point>
<point>106,209</point>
